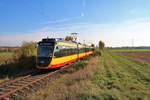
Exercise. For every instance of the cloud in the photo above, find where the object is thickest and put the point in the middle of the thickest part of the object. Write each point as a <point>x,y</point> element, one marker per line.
<point>64,20</point>
<point>118,34</point>
<point>70,18</point>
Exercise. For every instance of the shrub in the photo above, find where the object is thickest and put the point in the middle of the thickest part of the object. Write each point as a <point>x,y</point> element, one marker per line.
<point>80,65</point>
<point>101,45</point>
<point>26,55</point>
<point>97,52</point>
<point>28,49</point>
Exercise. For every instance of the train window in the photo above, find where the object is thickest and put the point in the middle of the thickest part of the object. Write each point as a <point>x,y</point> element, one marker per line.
<point>45,51</point>
<point>65,52</point>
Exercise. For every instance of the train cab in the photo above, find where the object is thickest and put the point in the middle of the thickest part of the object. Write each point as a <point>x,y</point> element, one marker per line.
<point>45,52</point>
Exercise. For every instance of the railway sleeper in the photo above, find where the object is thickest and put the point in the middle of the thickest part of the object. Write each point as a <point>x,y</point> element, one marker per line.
<point>27,81</point>
<point>18,96</point>
<point>7,90</point>
<point>39,82</point>
<point>36,83</point>
<point>11,86</point>
<point>23,82</point>
<point>32,90</point>
<point>25,90</point>
<point>4,89</point>
<point>1,92</point>
<point>32,79</point>
<point>18,85</point>
<point>12,81</point>
<point>36,86</point>
<point>42,81</point>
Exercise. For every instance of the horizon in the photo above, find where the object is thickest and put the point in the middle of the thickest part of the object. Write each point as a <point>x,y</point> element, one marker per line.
<point>118,23</point>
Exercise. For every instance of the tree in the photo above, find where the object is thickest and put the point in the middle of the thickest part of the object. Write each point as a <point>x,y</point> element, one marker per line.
<point>69,38</point>
<point>28,49</point>
<point>92,45</point>
<point>101,45</point>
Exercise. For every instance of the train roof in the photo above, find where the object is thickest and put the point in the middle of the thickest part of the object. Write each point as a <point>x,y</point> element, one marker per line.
<point>62,42</point>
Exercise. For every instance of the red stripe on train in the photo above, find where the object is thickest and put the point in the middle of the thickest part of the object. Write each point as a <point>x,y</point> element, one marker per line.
<point>67,62</point>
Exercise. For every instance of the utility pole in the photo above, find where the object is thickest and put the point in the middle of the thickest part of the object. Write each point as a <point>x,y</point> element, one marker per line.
<point>74,35</point>
<point>53,35</point>
<point>83,41</point>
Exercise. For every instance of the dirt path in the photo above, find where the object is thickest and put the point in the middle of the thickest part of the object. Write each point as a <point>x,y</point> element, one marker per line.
<point>138,56</point>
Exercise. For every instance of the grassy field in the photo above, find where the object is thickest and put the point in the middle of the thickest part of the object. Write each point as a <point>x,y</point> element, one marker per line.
<point>5,54</point>
<point>109,77</point>
<point>130,50</point>
<point>140,55</point>
<point>120,78</point>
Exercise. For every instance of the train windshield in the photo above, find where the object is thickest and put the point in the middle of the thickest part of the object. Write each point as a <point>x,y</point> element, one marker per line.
<point>45,51</point>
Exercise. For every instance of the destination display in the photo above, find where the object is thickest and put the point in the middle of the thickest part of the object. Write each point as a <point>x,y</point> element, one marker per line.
<point>48,44</point>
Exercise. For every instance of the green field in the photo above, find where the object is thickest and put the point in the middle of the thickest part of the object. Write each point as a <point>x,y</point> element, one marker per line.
<point>6,54</point>
<point>130,50</point>
<point>5,57</point>
<point>120,78</point>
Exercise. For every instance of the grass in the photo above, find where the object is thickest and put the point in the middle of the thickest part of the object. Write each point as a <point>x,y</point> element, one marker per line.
<point>120,78</point>
<point>5,54</point>
<point>130,50</point>
<point>5,57</point>
<point>3,80</point>
<point>109,77</point>
<point>80,65</point>
<point>70,86</point>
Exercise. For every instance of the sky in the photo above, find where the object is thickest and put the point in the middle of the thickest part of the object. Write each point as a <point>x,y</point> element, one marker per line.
<point>116,22</point>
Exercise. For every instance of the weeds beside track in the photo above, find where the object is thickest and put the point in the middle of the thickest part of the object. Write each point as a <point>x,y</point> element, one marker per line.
<point>20,87</point>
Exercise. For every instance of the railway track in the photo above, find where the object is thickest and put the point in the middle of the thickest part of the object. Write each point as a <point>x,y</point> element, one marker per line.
<point>22,86</point>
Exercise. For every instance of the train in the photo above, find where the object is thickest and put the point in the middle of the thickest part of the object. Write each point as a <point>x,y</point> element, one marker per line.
<point>54,53</point>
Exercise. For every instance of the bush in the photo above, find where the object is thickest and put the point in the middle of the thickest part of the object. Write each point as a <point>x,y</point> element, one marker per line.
<point>97,52</point>
<point>28,49</point>
<point>80,65</point>
<point>101,45</point>
<point>26,55</point>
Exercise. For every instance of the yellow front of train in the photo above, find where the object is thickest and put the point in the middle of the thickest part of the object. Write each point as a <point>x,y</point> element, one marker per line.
<point>45,53</point>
